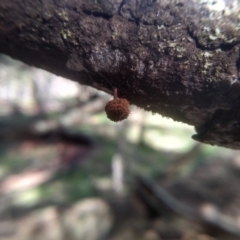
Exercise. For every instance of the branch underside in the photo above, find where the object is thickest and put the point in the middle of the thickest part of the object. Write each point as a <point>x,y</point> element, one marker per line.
<point>177,58</point>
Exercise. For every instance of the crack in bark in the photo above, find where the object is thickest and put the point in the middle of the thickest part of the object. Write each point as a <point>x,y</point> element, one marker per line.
<point>98,14</point>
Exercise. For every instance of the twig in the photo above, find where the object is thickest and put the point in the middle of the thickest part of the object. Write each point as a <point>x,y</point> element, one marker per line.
<point>206,214</point>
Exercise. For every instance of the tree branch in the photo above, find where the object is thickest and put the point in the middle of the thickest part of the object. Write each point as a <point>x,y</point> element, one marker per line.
<point>179,58</point>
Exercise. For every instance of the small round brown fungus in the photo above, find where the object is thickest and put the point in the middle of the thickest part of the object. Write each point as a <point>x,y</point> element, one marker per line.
<point>117,109</point>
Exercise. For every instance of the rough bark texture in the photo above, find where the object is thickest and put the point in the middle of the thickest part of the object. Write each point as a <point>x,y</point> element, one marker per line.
<point>179,58</point>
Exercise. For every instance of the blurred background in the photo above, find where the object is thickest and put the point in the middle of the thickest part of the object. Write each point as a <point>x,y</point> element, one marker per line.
<point>67,172</point>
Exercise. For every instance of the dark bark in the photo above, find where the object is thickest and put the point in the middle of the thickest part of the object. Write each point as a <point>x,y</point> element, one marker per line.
<point>176,58</point>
